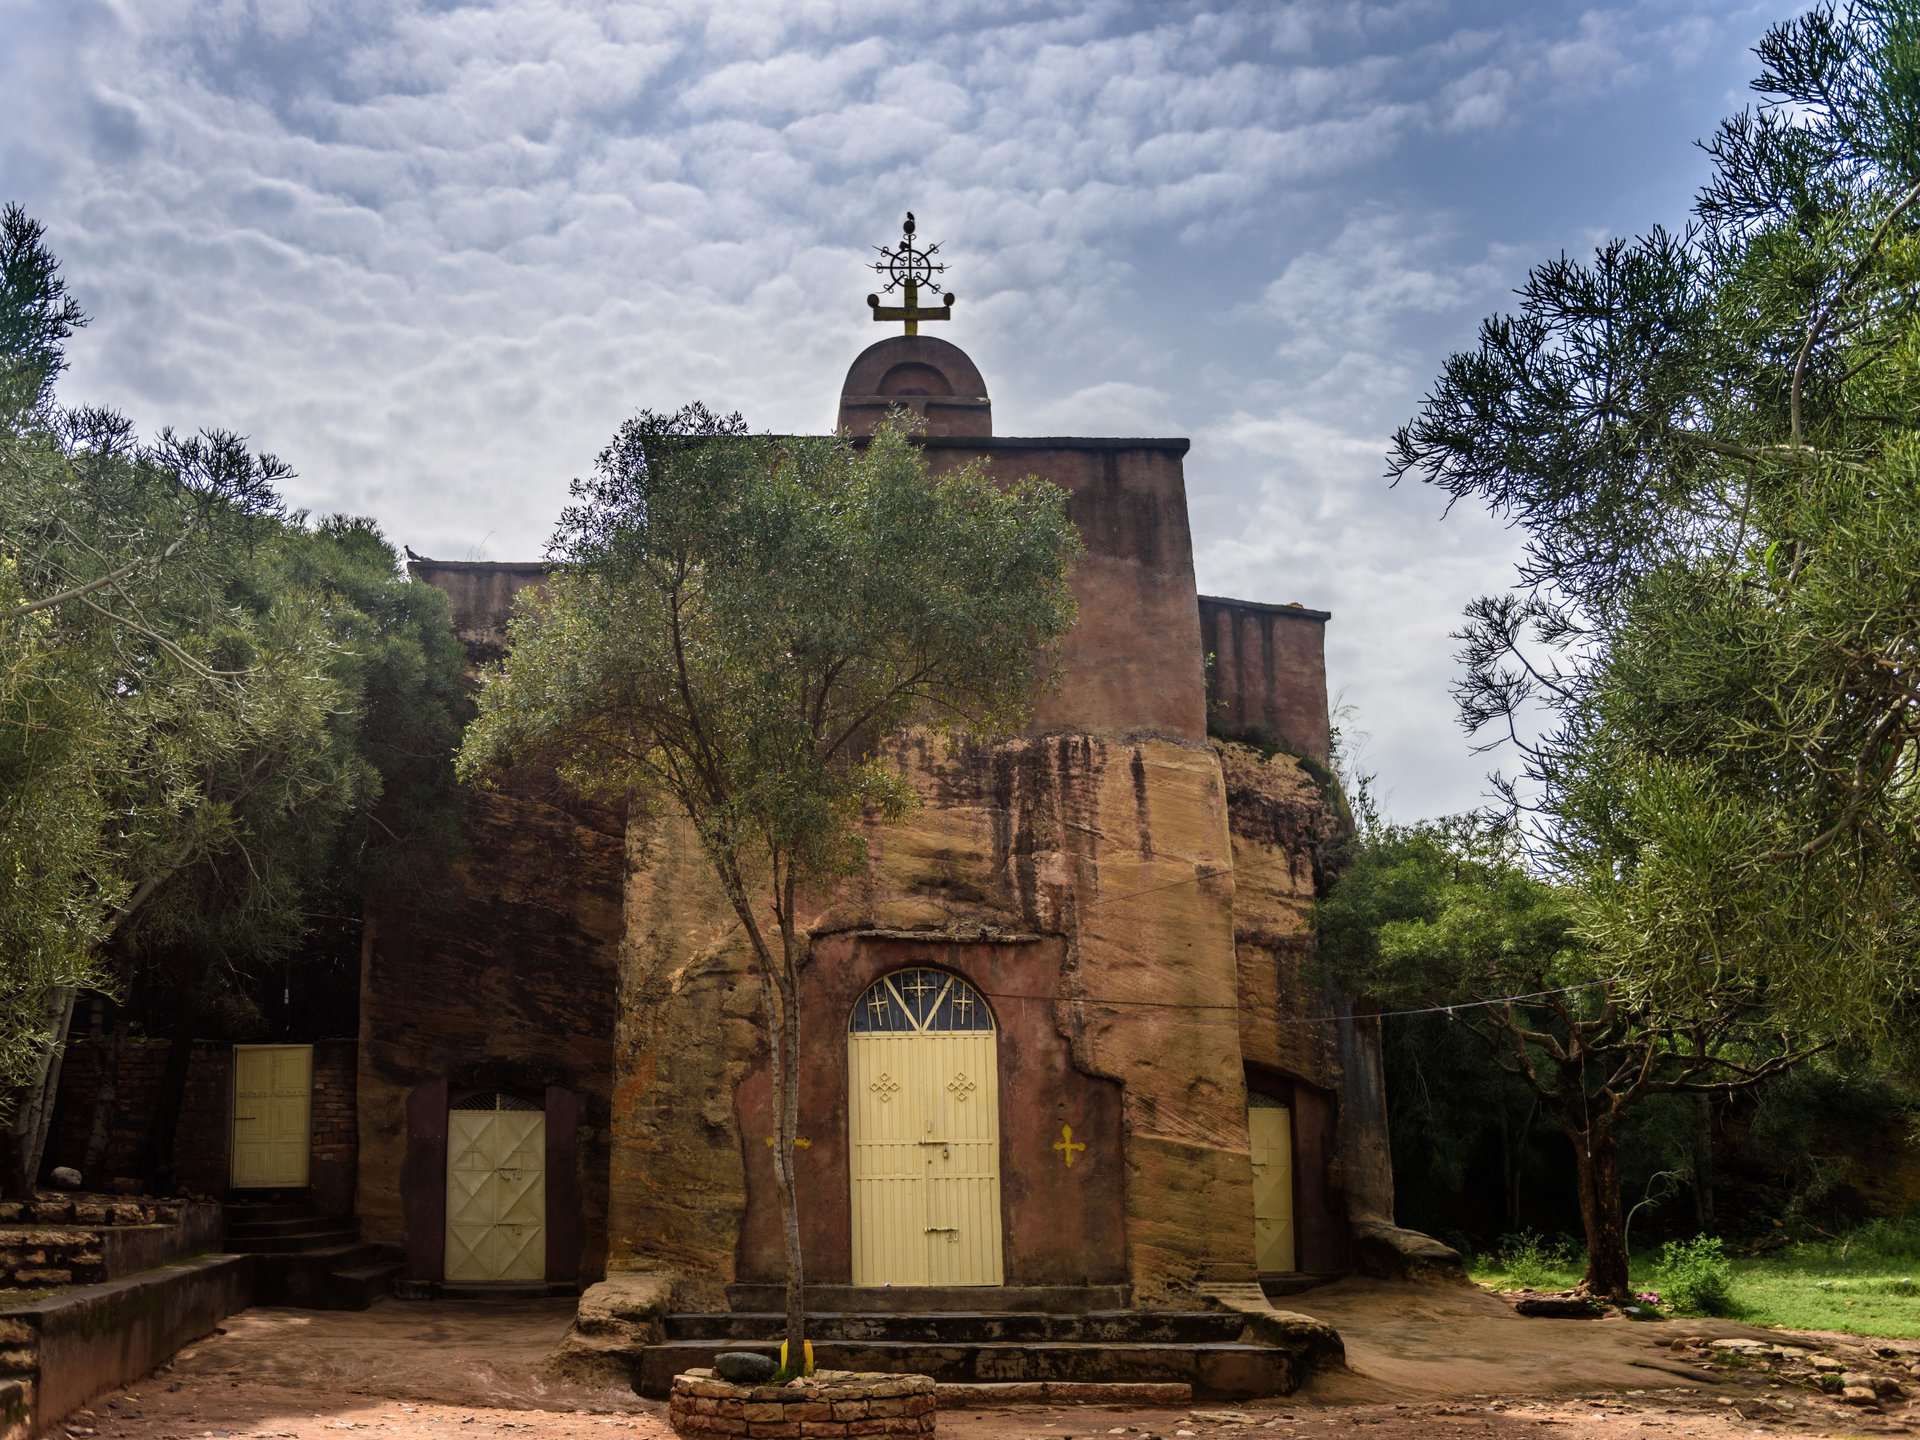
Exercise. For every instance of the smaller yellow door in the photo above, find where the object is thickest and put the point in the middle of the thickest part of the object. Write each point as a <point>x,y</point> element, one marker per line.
<point>1270,1127</point>
<point>496,1191</point>
<point>272,1116</point>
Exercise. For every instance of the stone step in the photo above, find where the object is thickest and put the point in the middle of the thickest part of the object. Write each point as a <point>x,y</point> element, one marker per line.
<point>906,1299</point>
<point>252,1225</point>
<point>304,1279</point>
<point>355,1287</point>
<point>1188,1327</point>
<point>320,1235</point>
<point>241,1211</point>
<point>1217,1370</point>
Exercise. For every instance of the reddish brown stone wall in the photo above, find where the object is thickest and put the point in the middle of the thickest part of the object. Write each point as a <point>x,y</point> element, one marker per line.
<point>1132,665</point>
<point>1268,672</point>
<point>500,977</point>
<point>336,1129</point>
<point>200,1145</point>
<point>1061,1225</point>
<point>481,595</point>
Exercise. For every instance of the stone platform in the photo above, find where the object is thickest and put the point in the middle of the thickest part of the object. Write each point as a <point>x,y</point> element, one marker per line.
<point>1220,1353</point>
<point>827,1405</point>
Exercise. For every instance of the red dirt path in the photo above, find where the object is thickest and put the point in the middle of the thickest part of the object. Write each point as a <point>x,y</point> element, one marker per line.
<point>1442,1363</point>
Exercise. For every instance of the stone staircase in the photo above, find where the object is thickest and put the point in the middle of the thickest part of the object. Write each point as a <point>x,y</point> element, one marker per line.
<point>308,1260</point>
<point>1014,1335</point>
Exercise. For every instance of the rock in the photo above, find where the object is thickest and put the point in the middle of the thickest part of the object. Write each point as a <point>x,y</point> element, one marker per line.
<point>744,1367</point>
<point>1390,1252</point>
<point>1558,1307</point>
<point>65,1177</point>
<point>1861,1395</point>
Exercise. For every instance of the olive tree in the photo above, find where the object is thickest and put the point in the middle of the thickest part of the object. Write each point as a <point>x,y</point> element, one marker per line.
<point>735,624</point>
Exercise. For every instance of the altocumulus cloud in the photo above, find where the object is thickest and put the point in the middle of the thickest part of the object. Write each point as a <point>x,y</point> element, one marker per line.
<point>433,253</point>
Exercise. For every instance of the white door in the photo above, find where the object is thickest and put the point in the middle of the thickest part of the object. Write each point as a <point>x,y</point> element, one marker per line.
<point>272,1116</point>
<point>1270,1127</point>
<point>923,1100</point>
<point>496,1190</point>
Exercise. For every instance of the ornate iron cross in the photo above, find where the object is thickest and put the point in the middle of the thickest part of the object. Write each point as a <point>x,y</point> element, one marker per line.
<point>907,267</point>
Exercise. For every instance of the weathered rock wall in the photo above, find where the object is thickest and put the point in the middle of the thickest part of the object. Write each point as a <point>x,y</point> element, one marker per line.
<point>1299,1041</point>
<point>1133,663</point>
<point>500,977</point>
<point>1113,857</point>
<point>1267,672</point>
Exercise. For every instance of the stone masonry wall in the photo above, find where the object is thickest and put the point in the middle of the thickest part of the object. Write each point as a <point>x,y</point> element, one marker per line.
<point>200,1144</point>
<point>206,1116</point>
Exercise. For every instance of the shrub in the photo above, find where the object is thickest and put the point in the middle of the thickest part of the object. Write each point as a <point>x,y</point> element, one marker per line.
<point>1534,1263</point>
<point>1696,1276</point>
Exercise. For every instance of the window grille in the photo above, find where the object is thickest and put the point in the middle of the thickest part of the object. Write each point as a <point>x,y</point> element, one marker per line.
<point>920,1001</point>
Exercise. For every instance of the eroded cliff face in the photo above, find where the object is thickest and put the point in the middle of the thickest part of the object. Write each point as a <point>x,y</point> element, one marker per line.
<point>500,976</point>
<point>1287,838</point>
<point>1088,879</point>
<point>1284,835</point>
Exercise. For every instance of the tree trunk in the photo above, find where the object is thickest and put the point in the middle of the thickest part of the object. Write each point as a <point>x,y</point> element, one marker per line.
<point>1597,1166</point>
<point>158,1166</point>
<point>26,1136</point>
<point>782,1001</point>
<point>1703,1165</point>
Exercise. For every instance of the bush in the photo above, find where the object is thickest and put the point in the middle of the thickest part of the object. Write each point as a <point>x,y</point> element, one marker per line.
<point>1534,1263</point>
<point>1696,1276</point>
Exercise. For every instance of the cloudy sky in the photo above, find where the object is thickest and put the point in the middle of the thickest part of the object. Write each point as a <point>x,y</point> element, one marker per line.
<point>431,253</point>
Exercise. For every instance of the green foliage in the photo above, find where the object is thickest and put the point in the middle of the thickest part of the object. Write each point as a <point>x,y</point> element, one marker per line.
<point>1863,1281</point>
<point>740,620</point>
<point>1711,443</point>
<point>1529,1261</point>
<point>202,699</point>
<point>738,626</point>
<point>1695,1276</point>
<point>1444,917</point>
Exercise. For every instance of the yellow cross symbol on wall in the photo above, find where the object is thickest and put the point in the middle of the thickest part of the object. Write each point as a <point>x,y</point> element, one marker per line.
<point>1066,1145</point>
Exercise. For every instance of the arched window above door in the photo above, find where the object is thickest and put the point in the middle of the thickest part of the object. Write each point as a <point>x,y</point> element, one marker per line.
<point>920,1000</point>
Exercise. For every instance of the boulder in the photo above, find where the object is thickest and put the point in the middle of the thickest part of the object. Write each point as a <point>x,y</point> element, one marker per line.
<point>65,1177</point>
<point>744,1367</point>
<point>1559,1307</point>
<point>1390,1252</point>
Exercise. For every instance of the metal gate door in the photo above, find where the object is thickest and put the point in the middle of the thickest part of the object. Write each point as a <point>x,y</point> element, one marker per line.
<point>1270,1126</point>
<point>272,1115</point>
<point>496,1190</point>
<point>924,1119</point>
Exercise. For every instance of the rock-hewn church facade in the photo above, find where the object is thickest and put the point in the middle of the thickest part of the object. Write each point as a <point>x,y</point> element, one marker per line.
<point>1060,1033</point>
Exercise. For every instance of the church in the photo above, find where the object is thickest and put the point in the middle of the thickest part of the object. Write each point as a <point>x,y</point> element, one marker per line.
<point>1061,1044</point>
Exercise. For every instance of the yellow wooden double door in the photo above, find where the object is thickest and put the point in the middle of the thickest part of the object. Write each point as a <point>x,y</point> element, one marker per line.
<point>496,1192</point>
<point>1270,1128</point>
<point>924,1123</point>
<point>272,1116</point>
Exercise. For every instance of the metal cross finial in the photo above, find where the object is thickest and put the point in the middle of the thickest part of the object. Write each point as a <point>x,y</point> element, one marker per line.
<point>908,266</point>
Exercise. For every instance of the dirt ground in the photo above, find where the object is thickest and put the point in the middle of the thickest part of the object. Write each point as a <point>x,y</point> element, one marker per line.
<point>1454,1363</point>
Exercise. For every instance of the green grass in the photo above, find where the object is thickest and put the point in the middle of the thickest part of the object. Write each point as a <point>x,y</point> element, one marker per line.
<point>1867,1282</point>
